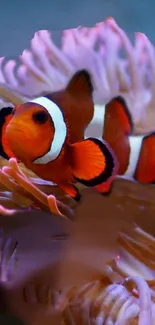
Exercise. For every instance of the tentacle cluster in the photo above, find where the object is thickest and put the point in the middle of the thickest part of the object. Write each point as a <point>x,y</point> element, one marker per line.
<point>116,65</point>
<point>19,192</point>
<point>8,258</point>
<point>125,294</point>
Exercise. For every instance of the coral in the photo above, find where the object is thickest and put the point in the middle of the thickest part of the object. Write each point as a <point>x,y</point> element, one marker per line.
<point>124,295</point>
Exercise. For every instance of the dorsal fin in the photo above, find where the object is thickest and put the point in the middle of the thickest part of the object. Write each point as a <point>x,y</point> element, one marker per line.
<point>80,84</point>
<point>119,113</point>
<point>118,126</point>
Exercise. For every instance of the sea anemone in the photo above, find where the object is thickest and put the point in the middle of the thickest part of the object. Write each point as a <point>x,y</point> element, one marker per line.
<point>125,294</point>
<point>117,67</point>
<point>23,191</point>
<point>8,258</point>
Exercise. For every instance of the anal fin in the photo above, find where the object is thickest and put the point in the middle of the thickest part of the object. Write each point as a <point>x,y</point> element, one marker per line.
<point>104,189</point>
<point>71,190</point>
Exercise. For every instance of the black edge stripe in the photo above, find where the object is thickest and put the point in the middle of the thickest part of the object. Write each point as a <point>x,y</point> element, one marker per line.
<point>5,111</point>
<point>78,195</point>
<point>122,101</point>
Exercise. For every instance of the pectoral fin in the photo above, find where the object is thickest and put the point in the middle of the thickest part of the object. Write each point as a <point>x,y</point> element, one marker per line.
<point>93,162</point>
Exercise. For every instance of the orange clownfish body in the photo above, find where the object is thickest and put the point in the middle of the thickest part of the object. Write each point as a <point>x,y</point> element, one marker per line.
<point>135,154</point>
<point>48,136</point>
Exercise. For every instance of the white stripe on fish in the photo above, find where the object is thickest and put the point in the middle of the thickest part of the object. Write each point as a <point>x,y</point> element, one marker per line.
<point>60,129</point>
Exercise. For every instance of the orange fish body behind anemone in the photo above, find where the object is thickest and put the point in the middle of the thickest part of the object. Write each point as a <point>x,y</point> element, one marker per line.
<point>48,136</point>
<point>135,153</point>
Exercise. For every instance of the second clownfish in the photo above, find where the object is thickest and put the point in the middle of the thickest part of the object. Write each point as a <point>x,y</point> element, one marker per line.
<point>48,135</point>
<point>135,153</point>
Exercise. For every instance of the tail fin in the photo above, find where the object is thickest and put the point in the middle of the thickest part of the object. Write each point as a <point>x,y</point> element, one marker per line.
<point>117,127</point>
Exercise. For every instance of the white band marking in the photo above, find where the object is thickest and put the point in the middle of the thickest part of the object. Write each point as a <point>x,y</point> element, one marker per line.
<point>134,141</point>
<point>60,129</point>
<point>135,147</point>
<point>96,126</point>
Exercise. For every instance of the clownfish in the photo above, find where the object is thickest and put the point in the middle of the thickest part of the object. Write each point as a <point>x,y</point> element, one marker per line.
<point>135,153</point>
<point>47,134</point>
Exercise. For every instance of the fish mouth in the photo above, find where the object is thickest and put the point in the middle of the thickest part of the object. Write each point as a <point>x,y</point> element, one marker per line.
<point>14,129</point>
<point>17,130</point>
<point>14,126</point>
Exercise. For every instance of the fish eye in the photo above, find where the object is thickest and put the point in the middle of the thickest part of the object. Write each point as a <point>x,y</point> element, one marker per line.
<point>40,117</point>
